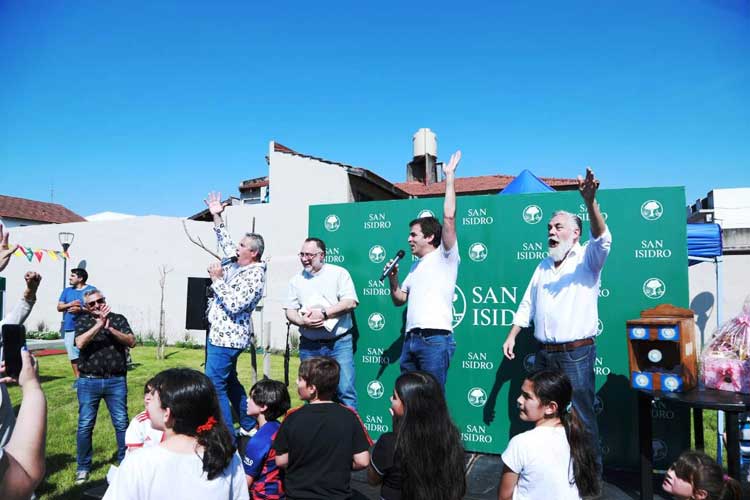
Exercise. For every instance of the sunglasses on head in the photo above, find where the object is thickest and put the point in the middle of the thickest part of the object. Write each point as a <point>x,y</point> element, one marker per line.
<point>98,301</point>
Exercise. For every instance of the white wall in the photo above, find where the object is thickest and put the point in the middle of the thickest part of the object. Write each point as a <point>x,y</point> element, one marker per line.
<point>123,260</point>
<point>9,222</point>
<point>123,257</point>
<point>732,207</point>
<point>735,273</point>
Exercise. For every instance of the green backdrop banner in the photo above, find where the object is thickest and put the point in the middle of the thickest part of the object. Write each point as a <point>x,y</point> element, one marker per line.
<point>501,240</point>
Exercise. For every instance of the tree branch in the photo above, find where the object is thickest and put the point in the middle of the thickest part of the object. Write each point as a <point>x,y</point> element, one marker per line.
<point>198,242</point>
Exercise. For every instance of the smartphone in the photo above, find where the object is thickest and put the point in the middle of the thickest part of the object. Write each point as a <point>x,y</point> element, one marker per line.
<point>14,338</point>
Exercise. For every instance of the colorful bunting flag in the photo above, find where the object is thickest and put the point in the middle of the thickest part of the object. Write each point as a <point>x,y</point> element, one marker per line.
<point>30,253</point>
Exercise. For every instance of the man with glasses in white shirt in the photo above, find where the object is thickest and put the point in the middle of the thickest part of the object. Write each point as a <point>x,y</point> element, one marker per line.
<point>320,302</point>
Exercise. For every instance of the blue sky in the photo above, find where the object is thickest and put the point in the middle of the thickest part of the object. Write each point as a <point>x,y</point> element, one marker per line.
<point>142,107</point>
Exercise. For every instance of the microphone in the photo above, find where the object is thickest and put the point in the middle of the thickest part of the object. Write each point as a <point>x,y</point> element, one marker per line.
<point>399,255</point>
<point>228,260</point>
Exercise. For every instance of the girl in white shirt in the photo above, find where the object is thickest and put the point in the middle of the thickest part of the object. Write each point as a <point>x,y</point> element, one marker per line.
<point>557,454</point>
<point>197,458</point>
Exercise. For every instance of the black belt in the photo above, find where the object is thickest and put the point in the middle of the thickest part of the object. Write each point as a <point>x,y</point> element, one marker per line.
<point>567,346</point>
<point>428,332</point>
<point>328,341</point>
<point>110,375</point>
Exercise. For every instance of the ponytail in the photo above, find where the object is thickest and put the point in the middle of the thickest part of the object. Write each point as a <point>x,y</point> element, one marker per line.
<point>191,397</point>
<point>217,444</point>
<point>582,455</point>
<point>730,490</point>
<point>549,386</point>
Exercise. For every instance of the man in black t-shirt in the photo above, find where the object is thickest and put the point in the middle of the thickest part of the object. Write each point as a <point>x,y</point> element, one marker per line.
<point>321,442</point>
<point>102,337</point>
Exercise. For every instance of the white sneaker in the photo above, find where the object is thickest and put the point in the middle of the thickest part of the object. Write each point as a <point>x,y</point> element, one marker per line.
<point>81,477</point>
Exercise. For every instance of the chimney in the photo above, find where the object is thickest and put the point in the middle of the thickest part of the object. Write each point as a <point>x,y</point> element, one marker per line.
<point>423,167</point>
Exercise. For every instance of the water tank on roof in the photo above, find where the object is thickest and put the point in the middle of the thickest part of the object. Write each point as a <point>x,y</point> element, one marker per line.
<point>425,143</point>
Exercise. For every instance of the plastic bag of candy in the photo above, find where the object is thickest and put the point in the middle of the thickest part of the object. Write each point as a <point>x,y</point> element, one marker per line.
<point>725,361</point>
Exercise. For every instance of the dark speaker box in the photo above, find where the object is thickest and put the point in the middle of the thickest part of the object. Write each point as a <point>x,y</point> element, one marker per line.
<point>198,292</point>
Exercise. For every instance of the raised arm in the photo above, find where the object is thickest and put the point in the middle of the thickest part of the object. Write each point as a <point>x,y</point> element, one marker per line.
<point>22,310</point>
<point>6,250</point>
<point>215,206</point>
<point>449,204</point>
<point>588,187</point>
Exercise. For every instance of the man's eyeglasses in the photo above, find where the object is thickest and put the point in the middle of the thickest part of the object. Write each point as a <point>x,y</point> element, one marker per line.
<point>304,255</point>
<point>98,301</point>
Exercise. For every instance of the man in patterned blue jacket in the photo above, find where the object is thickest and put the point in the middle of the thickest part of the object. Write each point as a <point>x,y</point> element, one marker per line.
<point>237,283</point>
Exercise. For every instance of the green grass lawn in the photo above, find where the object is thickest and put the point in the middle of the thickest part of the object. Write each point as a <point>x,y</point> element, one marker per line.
<point>62,405</point>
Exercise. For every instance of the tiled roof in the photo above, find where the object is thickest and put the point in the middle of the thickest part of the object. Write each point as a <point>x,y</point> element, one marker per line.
<point>253,183</point>
<point>483,184</point>
<point>21,208</point>
<point>280,148</point>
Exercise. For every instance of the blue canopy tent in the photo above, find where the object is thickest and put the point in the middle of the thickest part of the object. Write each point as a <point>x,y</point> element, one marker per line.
<point>705,245</point>
<point>525,183</point>
<point>704,242</point>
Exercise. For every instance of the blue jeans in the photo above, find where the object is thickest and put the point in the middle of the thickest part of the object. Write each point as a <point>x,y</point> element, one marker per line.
<point>342,351</point>
<point>221,368</point>
<point>578,365</point>
<point>431,354</point>
<point>91,391</point>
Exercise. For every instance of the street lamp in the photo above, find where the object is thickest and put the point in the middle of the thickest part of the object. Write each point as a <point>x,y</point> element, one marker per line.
<point>66,239</point>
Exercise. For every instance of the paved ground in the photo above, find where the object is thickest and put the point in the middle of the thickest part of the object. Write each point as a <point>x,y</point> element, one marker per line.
<point>483,473</point>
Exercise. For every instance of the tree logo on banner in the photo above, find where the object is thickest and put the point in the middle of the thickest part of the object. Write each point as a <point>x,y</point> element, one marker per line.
<point>661,450</point>
<point>652,210</point>
<point>376,321</point>
<point>599,327</point>
<point>654,288</point>
<point>332,223</point>
<point>425,213</point>
<point>478,251</point>
<point>532,214</point>
<point>477,397</point>
<point>459,306</point>
<point>375,389</point>
<point>377,254</point>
